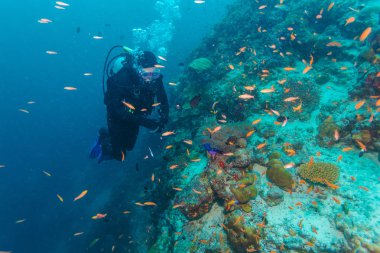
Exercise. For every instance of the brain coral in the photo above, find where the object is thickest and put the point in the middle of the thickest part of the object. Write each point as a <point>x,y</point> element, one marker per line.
<point>319,171</point>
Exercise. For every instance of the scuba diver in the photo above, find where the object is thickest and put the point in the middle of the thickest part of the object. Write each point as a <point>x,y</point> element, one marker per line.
<point>133,83</point>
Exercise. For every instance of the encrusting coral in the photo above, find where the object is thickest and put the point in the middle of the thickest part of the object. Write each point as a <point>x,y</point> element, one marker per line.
<point>319,172</point>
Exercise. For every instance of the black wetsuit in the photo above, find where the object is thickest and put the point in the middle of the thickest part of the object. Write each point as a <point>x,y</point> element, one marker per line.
<point>124,122</point>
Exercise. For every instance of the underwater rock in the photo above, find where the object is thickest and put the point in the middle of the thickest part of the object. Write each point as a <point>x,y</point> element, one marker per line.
<point>241,143</point>
<point>319,172</point>
<point>228,138</point>
<point>326,132</point>
<point>274,196</point>
<point>242,158</point>
<point>197,197</point>
<point>201,64</point>
<point>364,136</point>
<point>242,237</point>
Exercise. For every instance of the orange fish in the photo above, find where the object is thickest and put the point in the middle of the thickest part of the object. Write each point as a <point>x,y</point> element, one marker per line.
<point>268,90</point>
<point>275,112</point>
<point>336,134</point>
<point>302,181</point>
<point>290,152</point>
<point>99,216</point>
<point>291,99</point>
<point>197,192</point>
<point>309,189</point>
<point>364,188</point>
<point>353,178</point>
<point>378,102</point>
<point>69,88</point>
<point>339,158</point>
<point>300,224</point>
<point>359,104</point>
<point>370,118</point>
<point>249,133</point>
<point>172,167</point>
<point>332,186</point>
<point>314,203</point>
<point>289,165</point>
<point>350,20</point>
<point>250,88</point>
<point>122,156</point>
<point>298,108</point>
<point>178,205</point>
<point>149,203</point>
<point>365,34</point>
<point>128,105</point>
<point>190,142</point>
<point>260,146</point>
<point>262,7</point>
<point>289,68</point>
<point>347,149</point>
<point>318,153</point>
<point>333,44</point>
<point>330,6</point>
<point>256,121</point>
<point>83,193</point>
<point>246,96</point>
<point>306,69</point>
<point>311,162</point>
<point>336,200</point>
<point>231,66</point>
<point>168,133</point>
<point>361,145</point>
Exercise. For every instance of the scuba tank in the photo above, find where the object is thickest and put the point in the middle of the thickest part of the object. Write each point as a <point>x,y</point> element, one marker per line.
<point>119,60</point>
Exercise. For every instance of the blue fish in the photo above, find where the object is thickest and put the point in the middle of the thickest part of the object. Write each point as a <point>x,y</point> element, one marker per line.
<point>210,150</point>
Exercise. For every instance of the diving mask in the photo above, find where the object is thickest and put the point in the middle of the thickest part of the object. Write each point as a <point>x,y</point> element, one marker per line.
<point>149,74</point>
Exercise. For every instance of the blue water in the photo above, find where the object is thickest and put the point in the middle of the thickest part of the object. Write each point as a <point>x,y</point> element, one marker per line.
<point>57,133</point>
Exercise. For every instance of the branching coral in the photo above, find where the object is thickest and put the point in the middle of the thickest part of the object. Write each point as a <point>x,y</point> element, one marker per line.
<point>319,172</point>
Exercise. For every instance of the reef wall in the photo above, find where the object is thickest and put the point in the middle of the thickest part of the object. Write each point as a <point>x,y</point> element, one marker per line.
<point>276,133</point>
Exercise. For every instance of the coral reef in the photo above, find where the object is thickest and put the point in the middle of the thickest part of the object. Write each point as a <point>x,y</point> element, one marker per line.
<point>197,197</point>
<point>242,237</point>
<point>299,86</point>
<point>278,175</point>
<point>319,172</point>
<point>326,132</point>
